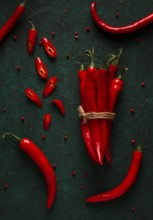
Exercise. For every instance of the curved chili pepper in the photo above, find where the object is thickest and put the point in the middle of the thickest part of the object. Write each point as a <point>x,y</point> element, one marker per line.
<point>50,86</point>
<point>121,29</point>
<point>49,47</point>
<point>47,121</point>
<point>126,184</point>
<point>42,162</point>
<point>85,126</point>
<point>90,105</point>
<point>41,68</point>
<point>32,37</point>
<point>7,27</point>
<point>59,105</point>
<point>115,88</point>
<point>33,97</point>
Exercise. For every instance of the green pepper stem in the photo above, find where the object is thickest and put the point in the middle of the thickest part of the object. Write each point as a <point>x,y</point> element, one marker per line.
<point>81,66</point>
<point>23,3</point>
<point>91,54</point>
<point>122,73</point>
<point>32,25</point>
<point>11,134</point>
<point>117,59</point>
<point>139,148</point>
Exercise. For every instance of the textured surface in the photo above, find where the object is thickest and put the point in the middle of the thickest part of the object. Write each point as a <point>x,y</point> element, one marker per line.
<point>26,195</point>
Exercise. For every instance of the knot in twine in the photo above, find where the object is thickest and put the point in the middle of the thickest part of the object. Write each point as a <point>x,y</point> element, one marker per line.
<point>94,115</point>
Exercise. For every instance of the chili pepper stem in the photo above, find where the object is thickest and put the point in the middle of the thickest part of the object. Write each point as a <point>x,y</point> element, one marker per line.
<point>106,61</point>
<point>117,59</point>
<point>91,54</point>
<point>23,3</point>
<point>140,148</point>
<point>81,66</point>
<point>11,134</point>
<point>32,25</point>
<point>122,73</point>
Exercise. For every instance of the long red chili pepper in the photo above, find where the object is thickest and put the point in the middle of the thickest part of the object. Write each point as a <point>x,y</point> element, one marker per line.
<point>121,29</point>
<point>33,97</point>
<point>91,106</point>
<point>85,126</point>
<point>42,162</point>
<point>32,37</point>
<point>50,86</point>
<point>59,105</point>
<point>47,121</point>
<point>115,88</point>
<point>126,184</point>
<point>41,68</point>
<point>49,47</point>
<point>7,27</point>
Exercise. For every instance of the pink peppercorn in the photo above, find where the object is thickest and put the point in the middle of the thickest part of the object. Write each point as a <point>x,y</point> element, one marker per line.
<point>73,173</point>
<point>138,40</point>
<point>6,186</point>
<point>67,56</point>
<point>43,137</point>
<point>18,68</point>
<point>133,209</point>
<point>22,118</point>
<point>87,29</point>
<point>40,43</point>
<point>82,187</point>
<point>15,37</point>
<point>54,166</point>
<point>143,84</point>
<point>132,110</point>
<point>133,141</point>
<point>76,33</point>
<point>76,37</point>
<point>65,138</point>
<point>117,15</point>
<point>53,34</point>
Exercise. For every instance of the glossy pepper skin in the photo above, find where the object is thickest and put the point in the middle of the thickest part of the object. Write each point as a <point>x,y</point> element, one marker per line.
<point>8,26</point>
<point>85,126</point>
<point>49,47</point>
<point>50,86</point>
<point>126,184</point>
<point>33,97</point>
<point>41,68</point>
<point>47,121</point>
<point>114,90</point>
<point>121,29</point>
<point>59,105</point>
<point>32,38</point>
<point>90,105</point>
<point>42,162</point>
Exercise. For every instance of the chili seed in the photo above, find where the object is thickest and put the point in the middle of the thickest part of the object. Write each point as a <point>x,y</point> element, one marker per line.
<point>15,37</point>
<point>117,15</point>
<point>133,141</point>
<point>5,186</point>
<point>132,110</point>
<point>73,173</point>
<point>87,29</point>
<point>22,118</point>
<point>133,209</point>
<point>53,34</point>
<point>18,68</point>
<point>143,84</point>
<point>54,166</point>
<point>43,137</point>
<point>65,138</point>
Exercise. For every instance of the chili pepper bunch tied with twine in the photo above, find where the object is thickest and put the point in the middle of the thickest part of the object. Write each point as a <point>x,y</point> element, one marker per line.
<point>99,89</point>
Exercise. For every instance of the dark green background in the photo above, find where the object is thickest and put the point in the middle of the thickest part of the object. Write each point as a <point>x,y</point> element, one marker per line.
<point>26,196</point>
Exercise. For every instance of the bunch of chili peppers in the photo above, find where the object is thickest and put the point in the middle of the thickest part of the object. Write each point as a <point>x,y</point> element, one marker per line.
<point>99,90</point>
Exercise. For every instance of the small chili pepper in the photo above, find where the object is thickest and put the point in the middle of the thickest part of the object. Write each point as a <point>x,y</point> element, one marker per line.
<point>121,29</point>
<point>41,68</point>
<point>49,47</point>
<point>47,121</point>
<point>115,88</point>
<point>86,134</point>
<point>32,37</point>
<point>33,97</point>
<point>126,184</point>
<point>7,27</point>
<point>42,162</point>
<point>59,105</point>
<point>50,86</point>
<point>91,106</point>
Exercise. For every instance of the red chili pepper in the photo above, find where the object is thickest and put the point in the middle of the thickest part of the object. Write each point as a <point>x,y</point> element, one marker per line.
<point>59,105</point>
<point>85,126</point>
<point>50,86</point>
<point>32,37</point>
<point>126,184</point>
<point>42,162</point>
<point>114,90</point>
<point>7,27</point>
<point>41,68</point>
<point>33,97</point>
<point>49,47</point>
<point>90,105</point>
<point>143,22</point>
<point>47,121</point>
